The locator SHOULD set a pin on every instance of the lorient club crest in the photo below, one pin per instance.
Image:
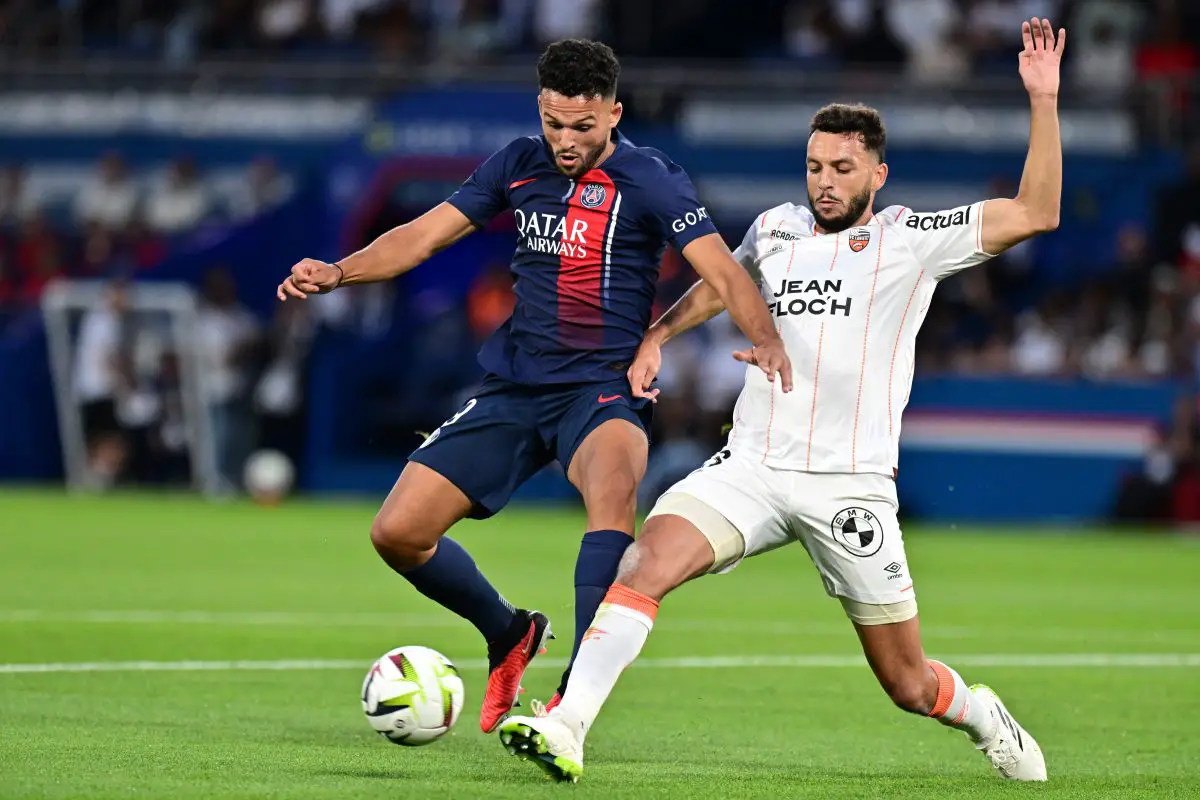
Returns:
(592, 195)
(859, 239)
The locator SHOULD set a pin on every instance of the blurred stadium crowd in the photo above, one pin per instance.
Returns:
(1114, 42)
(1134, 318)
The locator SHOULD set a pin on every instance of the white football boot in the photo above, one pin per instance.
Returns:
(1013, 752)
(549, 742)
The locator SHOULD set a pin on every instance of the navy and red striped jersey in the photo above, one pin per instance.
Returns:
(587, 256)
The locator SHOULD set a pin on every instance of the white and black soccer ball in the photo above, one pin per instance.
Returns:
(412, 695)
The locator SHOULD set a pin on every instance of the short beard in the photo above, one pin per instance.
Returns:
(857, 207)
(585, 164)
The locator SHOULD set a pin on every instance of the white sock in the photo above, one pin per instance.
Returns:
(616, 636)
(958, 707)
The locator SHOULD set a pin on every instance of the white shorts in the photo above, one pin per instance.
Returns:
(847, 523)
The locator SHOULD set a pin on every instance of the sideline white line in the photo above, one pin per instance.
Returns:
(1072, 660)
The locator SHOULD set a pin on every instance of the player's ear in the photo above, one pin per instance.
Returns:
(881, 175)
(616, 111)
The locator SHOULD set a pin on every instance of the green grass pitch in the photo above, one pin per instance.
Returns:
(1092, 639)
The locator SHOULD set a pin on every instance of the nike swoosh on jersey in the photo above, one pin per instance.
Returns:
(609, 398)
(515, 184)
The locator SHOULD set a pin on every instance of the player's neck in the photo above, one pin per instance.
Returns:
(863, 220)
(608, 151)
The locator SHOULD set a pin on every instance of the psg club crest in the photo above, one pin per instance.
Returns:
(859, 239)
(592, 195)
(858, 531)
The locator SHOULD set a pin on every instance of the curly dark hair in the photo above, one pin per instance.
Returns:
(579, 68)
(854, 119)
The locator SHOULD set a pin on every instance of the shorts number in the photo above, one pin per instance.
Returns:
(462, 412)
(718, 458)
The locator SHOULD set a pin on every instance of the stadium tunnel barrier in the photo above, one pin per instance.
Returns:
(1022, 449)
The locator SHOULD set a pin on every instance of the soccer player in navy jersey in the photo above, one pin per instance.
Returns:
(594, 213)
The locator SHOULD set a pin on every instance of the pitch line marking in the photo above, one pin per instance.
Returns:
(1048, 660)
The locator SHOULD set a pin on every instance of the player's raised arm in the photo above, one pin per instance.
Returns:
(393, 253)
(481, 197)
(1035, 209)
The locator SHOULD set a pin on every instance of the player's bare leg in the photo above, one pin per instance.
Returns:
(930, 688)
(606, 469)
(669, 552)
(408, 533)
(418, 511)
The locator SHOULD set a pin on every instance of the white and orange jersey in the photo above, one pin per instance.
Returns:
(848, 307)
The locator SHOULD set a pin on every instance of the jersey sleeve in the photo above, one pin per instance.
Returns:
(675, 209)
(746, 253)
(483, 195)
(945, 242)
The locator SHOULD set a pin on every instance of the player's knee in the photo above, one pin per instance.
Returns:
(615, 497)
(910, 693)
(401, 539)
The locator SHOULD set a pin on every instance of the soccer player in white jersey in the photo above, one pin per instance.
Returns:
(849, 289)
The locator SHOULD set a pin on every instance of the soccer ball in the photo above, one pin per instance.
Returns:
(268, 476)
(412, 695)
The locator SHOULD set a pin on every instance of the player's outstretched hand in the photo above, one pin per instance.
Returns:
(309, 277)
(1039, 61)
(772, 359)
(644, 369)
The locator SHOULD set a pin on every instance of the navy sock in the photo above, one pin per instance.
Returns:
(452, 579)
(595, 570)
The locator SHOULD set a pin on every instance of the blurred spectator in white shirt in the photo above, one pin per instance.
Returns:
(1103, 39)
(918, 24)
(341, 16)
(110, 197)
(226, 336)
(810, 30)
(179, 202)
(563, 19)
(98, 381)
(283, 21)
(264, 189)
(1040, 347)
(474, 32)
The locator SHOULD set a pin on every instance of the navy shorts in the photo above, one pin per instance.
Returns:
(509, 431)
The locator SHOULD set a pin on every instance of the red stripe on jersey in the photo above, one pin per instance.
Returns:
(896, 348)
(778, 329)
(816, 382)
(581, 261)
(862, 367)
